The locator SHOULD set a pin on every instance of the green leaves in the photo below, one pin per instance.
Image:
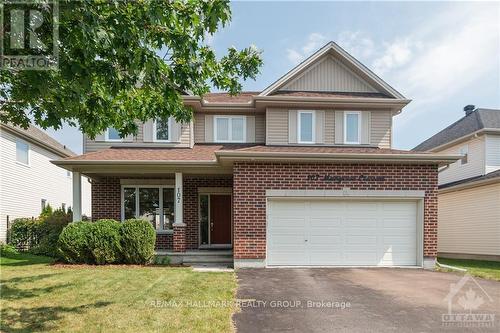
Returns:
(121, 61)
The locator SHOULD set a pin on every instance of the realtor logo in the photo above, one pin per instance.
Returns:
(29, 36)
(467, 296)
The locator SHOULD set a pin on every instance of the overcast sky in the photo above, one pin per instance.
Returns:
(442, 55)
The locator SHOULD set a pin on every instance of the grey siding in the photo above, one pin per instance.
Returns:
(381, 123)
(203, 127)
(138, 140)
(277, 126)
(376, 127)
(199, 128)
(329, 74)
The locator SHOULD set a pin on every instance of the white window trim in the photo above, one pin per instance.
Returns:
(29, 153)
(230, 128)
(346, 113)
(155, 139)
(106, 137)
(313, 124)
(160, 199)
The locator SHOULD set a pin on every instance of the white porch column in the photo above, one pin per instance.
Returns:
(178, 200)
(77, 196)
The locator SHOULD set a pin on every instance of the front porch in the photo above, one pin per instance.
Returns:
(191, 213)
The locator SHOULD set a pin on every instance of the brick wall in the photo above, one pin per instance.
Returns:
(164, 242)
(106, 198)
(252, 179)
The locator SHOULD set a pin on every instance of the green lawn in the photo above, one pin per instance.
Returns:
(39, 297)
(485, 269)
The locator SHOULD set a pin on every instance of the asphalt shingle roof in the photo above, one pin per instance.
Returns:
(477, 120)
(491, 175)
(41, 138)
(206, 152)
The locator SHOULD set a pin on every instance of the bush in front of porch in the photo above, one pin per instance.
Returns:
(107, 242)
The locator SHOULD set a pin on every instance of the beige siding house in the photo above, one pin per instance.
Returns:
(469, 189)
(253, 174)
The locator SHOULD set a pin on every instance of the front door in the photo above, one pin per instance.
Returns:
(215, 219)
(220, 219)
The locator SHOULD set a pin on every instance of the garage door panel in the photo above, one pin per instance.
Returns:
(325, 222)
(342, 232)
(360, 222)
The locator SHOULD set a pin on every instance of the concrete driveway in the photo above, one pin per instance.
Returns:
(362, 300)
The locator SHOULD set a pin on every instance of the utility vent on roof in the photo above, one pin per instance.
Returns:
(469, 109)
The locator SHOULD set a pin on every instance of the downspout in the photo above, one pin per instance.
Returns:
(450, 267)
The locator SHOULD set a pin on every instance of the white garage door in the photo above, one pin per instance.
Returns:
(341, 232)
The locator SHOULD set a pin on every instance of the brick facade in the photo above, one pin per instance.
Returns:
(106, 198)
(164, 242)
(106, 203)
(252, 179)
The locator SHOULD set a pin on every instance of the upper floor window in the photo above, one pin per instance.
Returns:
(162, 130)
(22, 152)
(229, 128)
(464, 151)
(305, 124)
(112, 134)
(352, 127)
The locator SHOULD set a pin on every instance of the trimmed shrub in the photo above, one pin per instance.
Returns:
(73, 243)
(137, 241)
(104, 242)
(24, 233)
(50, 227)
(6, 250)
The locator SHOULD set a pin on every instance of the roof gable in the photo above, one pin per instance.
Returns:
(329, 74)
(332, 69)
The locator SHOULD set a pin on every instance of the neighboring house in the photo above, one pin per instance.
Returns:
(301, 173)
(28, 181)
(469, 189)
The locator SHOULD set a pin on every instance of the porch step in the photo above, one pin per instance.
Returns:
(208, 259)
(224, 257)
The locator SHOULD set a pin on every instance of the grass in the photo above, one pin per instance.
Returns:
(484, 269)
(37, 296)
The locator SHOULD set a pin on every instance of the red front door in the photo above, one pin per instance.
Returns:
(220, 219)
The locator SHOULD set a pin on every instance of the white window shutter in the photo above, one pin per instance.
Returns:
(292, 126)
(148, 131)
(320, 126)
(176, 129)
(366, 119)
(250, 120)
(339, 127)
(209, 128)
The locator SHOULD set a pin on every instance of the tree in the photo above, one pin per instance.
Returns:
(121, 61)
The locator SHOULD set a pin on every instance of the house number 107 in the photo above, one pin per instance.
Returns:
(179, 195)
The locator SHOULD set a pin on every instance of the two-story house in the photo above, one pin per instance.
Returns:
(28, 179)
(301, 173)
(469, 189)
